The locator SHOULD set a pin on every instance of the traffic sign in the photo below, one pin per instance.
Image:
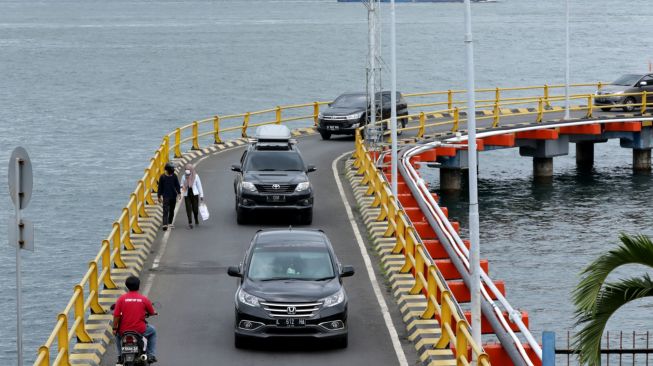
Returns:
(21, 236)
(23, 182)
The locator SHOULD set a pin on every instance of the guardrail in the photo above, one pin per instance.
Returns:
(86, 293)
(441, 304)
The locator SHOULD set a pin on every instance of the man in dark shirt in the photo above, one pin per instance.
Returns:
(167, 193)
(129, 316)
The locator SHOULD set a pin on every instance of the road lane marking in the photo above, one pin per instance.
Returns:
(394, 337)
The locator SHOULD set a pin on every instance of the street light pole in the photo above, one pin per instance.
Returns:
(474, 253)
(393, 99)
(567, 104)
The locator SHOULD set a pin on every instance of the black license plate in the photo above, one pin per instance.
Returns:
(276, 198)
(333, 128)
(291, 322)
(129, 349)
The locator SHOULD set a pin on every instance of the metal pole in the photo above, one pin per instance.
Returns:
(474, 253)
(567, 106)
(19, 281)
(393, 99)
(372, 45)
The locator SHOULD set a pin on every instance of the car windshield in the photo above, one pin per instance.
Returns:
(627, 80)
(273, 161)
(350, 101)
(304, 263)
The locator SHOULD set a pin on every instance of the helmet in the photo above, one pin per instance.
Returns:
(170, 167)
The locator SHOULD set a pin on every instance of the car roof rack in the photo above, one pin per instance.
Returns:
(273, 137)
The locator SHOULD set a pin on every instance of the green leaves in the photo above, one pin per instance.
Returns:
(596, 300)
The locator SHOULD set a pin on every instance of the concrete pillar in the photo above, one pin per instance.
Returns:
(543, 167)
(450, 179)
(585, 155)
(642, 160)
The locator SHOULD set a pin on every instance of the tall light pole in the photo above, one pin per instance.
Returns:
(567, 104)
(372, 22)
(474, 253)
(393, 99)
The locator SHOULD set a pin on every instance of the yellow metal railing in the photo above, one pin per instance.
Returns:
(441, 304)
(72, 321)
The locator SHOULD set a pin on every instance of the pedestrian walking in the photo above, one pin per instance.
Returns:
(167, 193)
(191, 187)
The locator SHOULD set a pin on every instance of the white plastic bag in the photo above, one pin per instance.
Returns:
(204, 212)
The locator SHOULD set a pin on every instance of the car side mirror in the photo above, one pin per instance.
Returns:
(310, 168)
(347, 271)
(643, 83)
(234, 271)
(236, 168)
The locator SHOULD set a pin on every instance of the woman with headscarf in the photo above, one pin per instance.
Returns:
(191, 188)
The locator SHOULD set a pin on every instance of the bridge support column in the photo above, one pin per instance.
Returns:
(642, 160)
(585, 155)
(542, 167)
(451, 179)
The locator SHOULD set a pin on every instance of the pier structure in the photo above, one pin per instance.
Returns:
(416, 251)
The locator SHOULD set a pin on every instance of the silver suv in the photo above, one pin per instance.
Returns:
(625, 92)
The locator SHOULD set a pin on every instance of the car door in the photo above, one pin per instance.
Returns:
(648, 88)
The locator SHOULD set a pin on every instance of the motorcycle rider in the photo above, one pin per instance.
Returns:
(129, 314)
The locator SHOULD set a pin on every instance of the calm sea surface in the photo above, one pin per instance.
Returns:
(89, 88)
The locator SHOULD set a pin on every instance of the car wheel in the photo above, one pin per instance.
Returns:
(306, 218)
(342, 342)
(629, 104)
(606, 109)
(325, 135)
(240, 341)
(241, 216)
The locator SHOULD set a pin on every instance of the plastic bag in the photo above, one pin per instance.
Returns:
(204, 212)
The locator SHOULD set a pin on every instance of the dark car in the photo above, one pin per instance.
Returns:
(617, 92)
(272, 175)
(351, 110)
(291, 286)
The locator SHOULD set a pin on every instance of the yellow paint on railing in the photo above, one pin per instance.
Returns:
(196, 142)
(216, 130)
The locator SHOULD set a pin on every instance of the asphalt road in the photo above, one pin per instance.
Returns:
(196, 321)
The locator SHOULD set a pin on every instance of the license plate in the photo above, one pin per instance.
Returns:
(276, 198)
(291, 322)
(129, 349)
(333, 128)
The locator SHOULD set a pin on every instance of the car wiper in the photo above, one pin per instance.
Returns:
(266, 170)
(278, 279)
(324, 278)
(292, 170)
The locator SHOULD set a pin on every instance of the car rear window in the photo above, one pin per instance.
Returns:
(273, 161)
(290, 263)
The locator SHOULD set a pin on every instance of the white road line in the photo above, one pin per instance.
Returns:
(396, 344)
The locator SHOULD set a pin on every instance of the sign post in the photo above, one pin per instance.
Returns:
(21, 231)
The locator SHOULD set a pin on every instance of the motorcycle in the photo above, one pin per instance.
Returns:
(133, 347)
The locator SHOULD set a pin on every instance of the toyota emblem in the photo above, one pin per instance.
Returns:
(276, 186)
(291, 310)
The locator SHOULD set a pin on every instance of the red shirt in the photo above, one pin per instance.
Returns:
(132, 308)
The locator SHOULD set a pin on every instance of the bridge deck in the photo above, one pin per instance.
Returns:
(197, 297)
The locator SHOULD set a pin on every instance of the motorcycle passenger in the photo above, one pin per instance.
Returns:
(129, 315)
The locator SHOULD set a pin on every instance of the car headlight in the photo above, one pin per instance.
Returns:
(618, 92)
(355, 116)
(248, 186)
(320, 115)
(334, 299)
(247, 299)
(302, 186)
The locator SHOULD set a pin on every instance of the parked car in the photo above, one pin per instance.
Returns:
(272, 175)
(350, 111)
(290, 286)
(617, 92)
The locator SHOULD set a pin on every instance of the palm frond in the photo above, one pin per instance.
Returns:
(610, 298)
(633, 250)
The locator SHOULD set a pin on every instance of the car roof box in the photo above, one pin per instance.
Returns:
(272, 133)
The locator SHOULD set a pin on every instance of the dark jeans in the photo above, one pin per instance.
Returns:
(169, 210)
(192, 206)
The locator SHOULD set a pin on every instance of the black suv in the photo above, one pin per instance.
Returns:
(350, 111)
(272, 176)
(290, 286)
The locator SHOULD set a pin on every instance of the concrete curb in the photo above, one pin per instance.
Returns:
(424, 333)
(99, 325)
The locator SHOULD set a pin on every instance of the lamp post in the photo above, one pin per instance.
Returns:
(567, 104)
(393, 100)
(474, 253)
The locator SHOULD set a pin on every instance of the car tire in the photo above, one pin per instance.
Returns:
(606, 109)
(342, 342)
(240, 341)
(325, 135)
(307, 218)
(629, 104)
(241, 217)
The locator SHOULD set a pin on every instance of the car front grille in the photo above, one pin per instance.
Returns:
(276, 188)
(291, 310)
(334, 118)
